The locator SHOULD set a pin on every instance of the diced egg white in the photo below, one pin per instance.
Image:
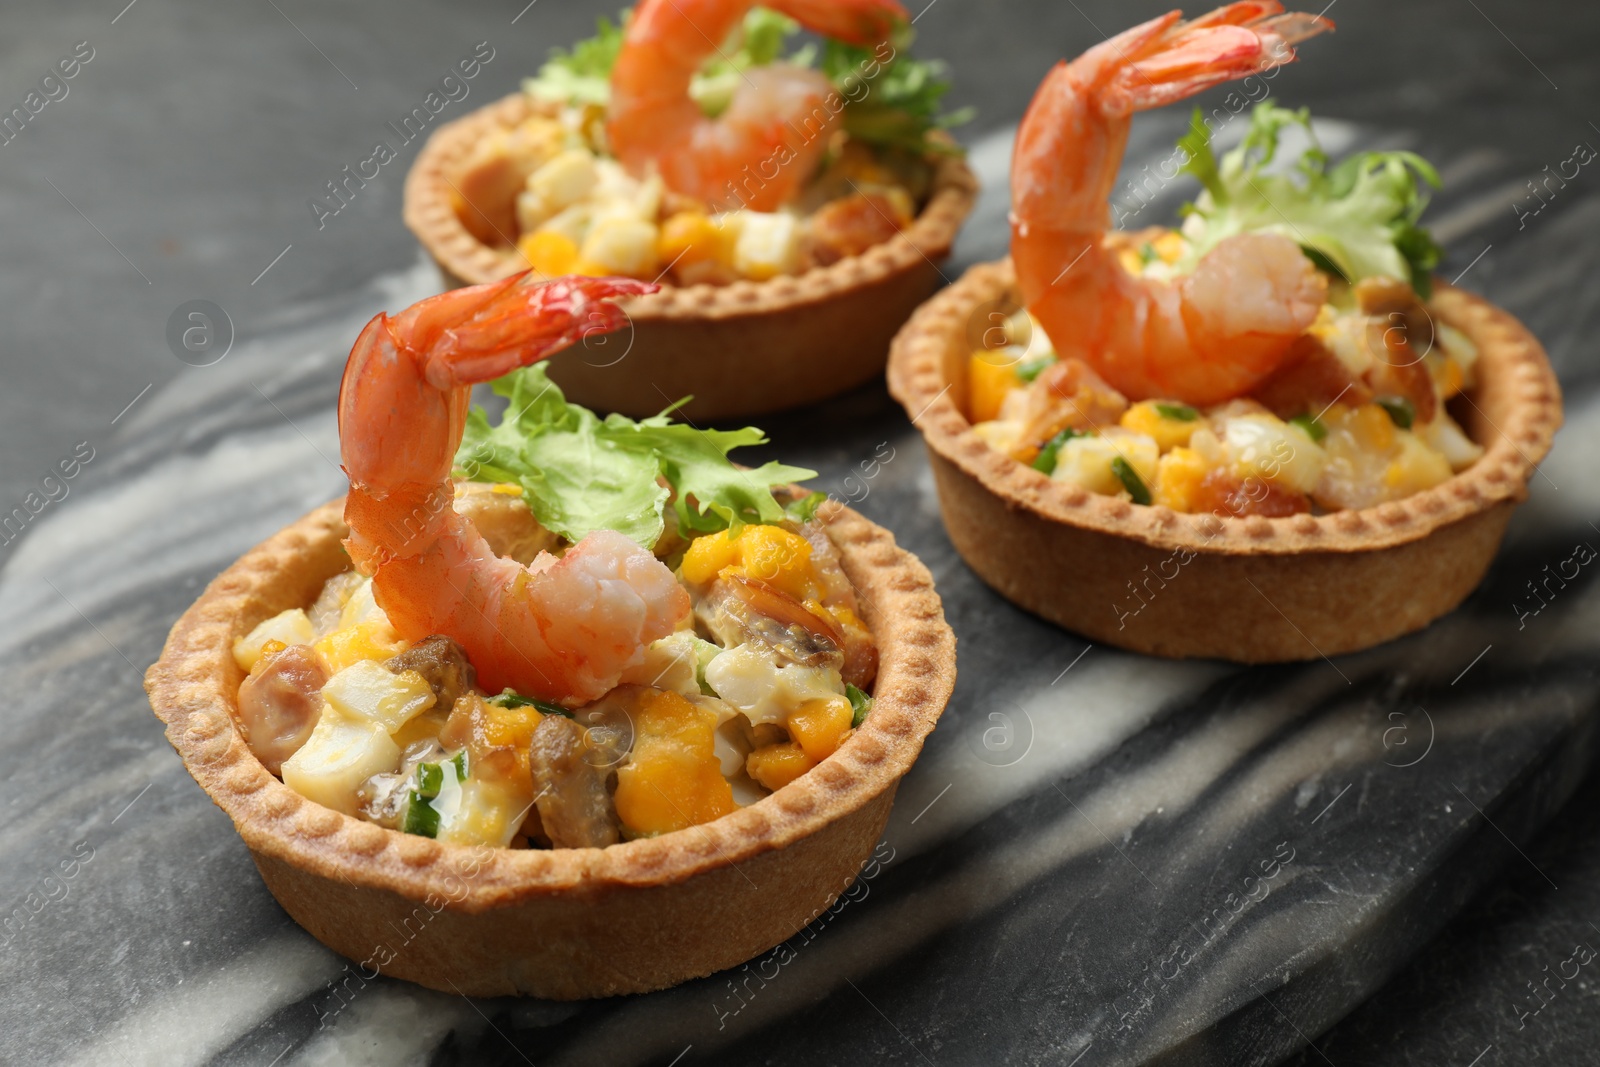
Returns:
(291, 627)
(1086, 461)
(370, 692)
(478, 811)
(337, 758)
(750, 679)
(670, 663)
(1443, 435)
(1264, 446)
(768, 244)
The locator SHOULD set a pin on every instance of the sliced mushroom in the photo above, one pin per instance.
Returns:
(575, 808)
(280, 702)
(737, 610)
(860, 650)
(443, 663)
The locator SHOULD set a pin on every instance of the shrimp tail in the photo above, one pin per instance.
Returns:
(564, 629)
(1205, 337)
(403, 398)
(857, 22)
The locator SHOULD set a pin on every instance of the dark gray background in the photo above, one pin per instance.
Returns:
(189, 146)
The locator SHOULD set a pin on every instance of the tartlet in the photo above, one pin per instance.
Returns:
(741, 349)
(1249, 589)
(562, 923)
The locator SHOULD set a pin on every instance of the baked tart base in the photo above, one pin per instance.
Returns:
(740, 350)
(1251, 590)
(558, 923)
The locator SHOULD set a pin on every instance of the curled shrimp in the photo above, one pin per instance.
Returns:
(558, 629)
(1205, 337)
(766, 145)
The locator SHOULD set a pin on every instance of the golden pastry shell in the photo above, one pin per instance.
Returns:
(559, 923)
(741, 350)
(1249, 589)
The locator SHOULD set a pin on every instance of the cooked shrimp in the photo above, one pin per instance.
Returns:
(1204, 337)
(763, 148)
(558, 629)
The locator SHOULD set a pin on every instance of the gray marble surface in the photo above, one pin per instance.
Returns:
(1069, 858)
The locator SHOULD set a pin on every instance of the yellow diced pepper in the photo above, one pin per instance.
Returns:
(590, 268)
(691, 237)
(1373, 427)
(673, 778)
(775, 766)
(990, 376)
(767, 554)
(1170, 246)
(777, 557)
(819, 726)
(511, 727)
(1145, 417)
(1178, 477)
(707, 556)
(551, 254)
(1448, 378)
(367, 640)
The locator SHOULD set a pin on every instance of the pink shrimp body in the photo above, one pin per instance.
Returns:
(1205, 337)
(557, 629)
(763, 148)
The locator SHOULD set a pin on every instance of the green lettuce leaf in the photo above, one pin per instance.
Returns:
(582, 74)
(901, 105)
(1358, 219)
(580, 473)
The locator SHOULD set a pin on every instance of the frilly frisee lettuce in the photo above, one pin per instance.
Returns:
(895, 103)
(580, 473)
(1357, 219)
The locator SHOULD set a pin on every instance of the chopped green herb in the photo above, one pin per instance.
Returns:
(1130, 480)
(1311, 425)
(580, 473)
(460, 762)
(430, 779)
(1357, 219)
(1029, 369)
(421, 818)
(704, 653)
(860, 705)
(1401, 413)
(1180, 412)
(508, 699)
(804, 509)
(1147, 254)
(1045, 461)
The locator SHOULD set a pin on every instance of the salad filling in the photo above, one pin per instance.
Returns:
(1355, 416)
(765, 679)
(554, 186)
